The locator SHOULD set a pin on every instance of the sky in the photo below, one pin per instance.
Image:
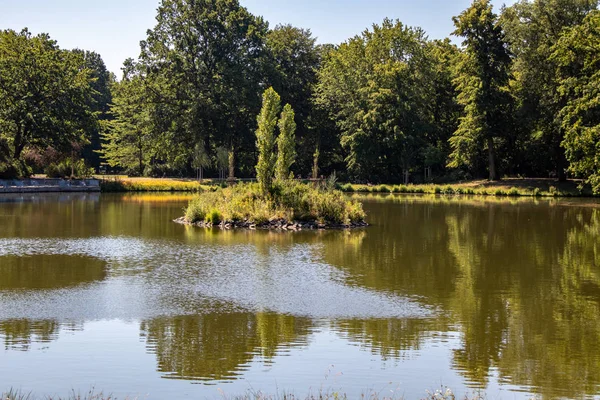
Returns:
(114, 28)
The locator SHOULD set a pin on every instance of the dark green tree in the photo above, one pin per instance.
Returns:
(482, 77)
(203, 65)
(286, 144)
(532, 28)
(127, 137)
(577, 54)
(377, 87)
(294, 60)
(101, 83)
(45, 95)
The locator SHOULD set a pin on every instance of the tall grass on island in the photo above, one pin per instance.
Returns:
(288, 204)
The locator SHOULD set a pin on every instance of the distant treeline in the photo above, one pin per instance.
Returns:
(520, 96)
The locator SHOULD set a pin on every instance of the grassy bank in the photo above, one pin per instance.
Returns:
(287, 203)
(507, 187)
(126, 184)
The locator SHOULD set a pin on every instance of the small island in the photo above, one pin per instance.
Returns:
(289, 206)
(276, 201)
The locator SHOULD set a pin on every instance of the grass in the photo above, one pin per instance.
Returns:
(288, 201)
(443, 393)
(13, 394)
(512, 187)
(125, 184)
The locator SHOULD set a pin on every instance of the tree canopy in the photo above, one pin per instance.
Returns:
(517, 97)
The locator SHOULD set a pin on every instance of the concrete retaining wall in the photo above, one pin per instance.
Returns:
(49, 185)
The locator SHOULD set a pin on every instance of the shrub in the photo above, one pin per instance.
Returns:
(13, 169)
(214, 217)
(500, 192)
(69, 169)
(348, 188)
(514, 192)
(438, 190)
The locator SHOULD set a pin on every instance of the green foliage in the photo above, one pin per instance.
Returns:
(265, 139)
(482, 79)
(380, 89)
(127, 138)
(578, 57)
(533, 28)
(45, 95)
(286, 144)
(288, 200)
(69, 169)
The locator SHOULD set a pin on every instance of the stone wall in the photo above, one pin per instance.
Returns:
(49, 185)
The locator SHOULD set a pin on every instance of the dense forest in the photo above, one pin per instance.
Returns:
(520, 96)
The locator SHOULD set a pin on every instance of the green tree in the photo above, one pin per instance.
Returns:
(286, 144)
(45, 94)
(532, 28)
(482, 79)
(265, 139)
(102, 81)
(377, 88)
(578, 57)
(126, 138)
(203, 64)
(293, 62)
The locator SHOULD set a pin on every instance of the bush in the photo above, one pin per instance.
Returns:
(14, 169)
(348, 188)
(69, 169)
(449, 190)
(514, 192)
(214, 217)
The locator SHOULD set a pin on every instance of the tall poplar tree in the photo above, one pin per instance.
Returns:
(286, 143)
(265, 139)
(482, 79)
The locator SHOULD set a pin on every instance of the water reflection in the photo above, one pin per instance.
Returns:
(49, 271)
(514, 282)
(521, 282)
(23, 334)
(219, 346)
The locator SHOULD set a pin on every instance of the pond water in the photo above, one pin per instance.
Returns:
(104, 291)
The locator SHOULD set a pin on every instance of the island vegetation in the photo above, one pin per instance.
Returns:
(517, 98)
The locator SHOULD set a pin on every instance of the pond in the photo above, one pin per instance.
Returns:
(104, 291)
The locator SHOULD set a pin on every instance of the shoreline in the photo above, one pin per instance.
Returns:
(276, 224)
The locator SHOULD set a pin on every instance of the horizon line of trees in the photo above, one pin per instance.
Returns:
(519, 97)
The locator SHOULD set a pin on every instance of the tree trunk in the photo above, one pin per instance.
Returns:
(19, 144)
(492, 160)
(560, 165)
(231, 164)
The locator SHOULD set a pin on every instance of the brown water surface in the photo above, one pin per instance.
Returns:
(105, 291)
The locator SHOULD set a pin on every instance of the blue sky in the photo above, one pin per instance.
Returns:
(114, 28)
